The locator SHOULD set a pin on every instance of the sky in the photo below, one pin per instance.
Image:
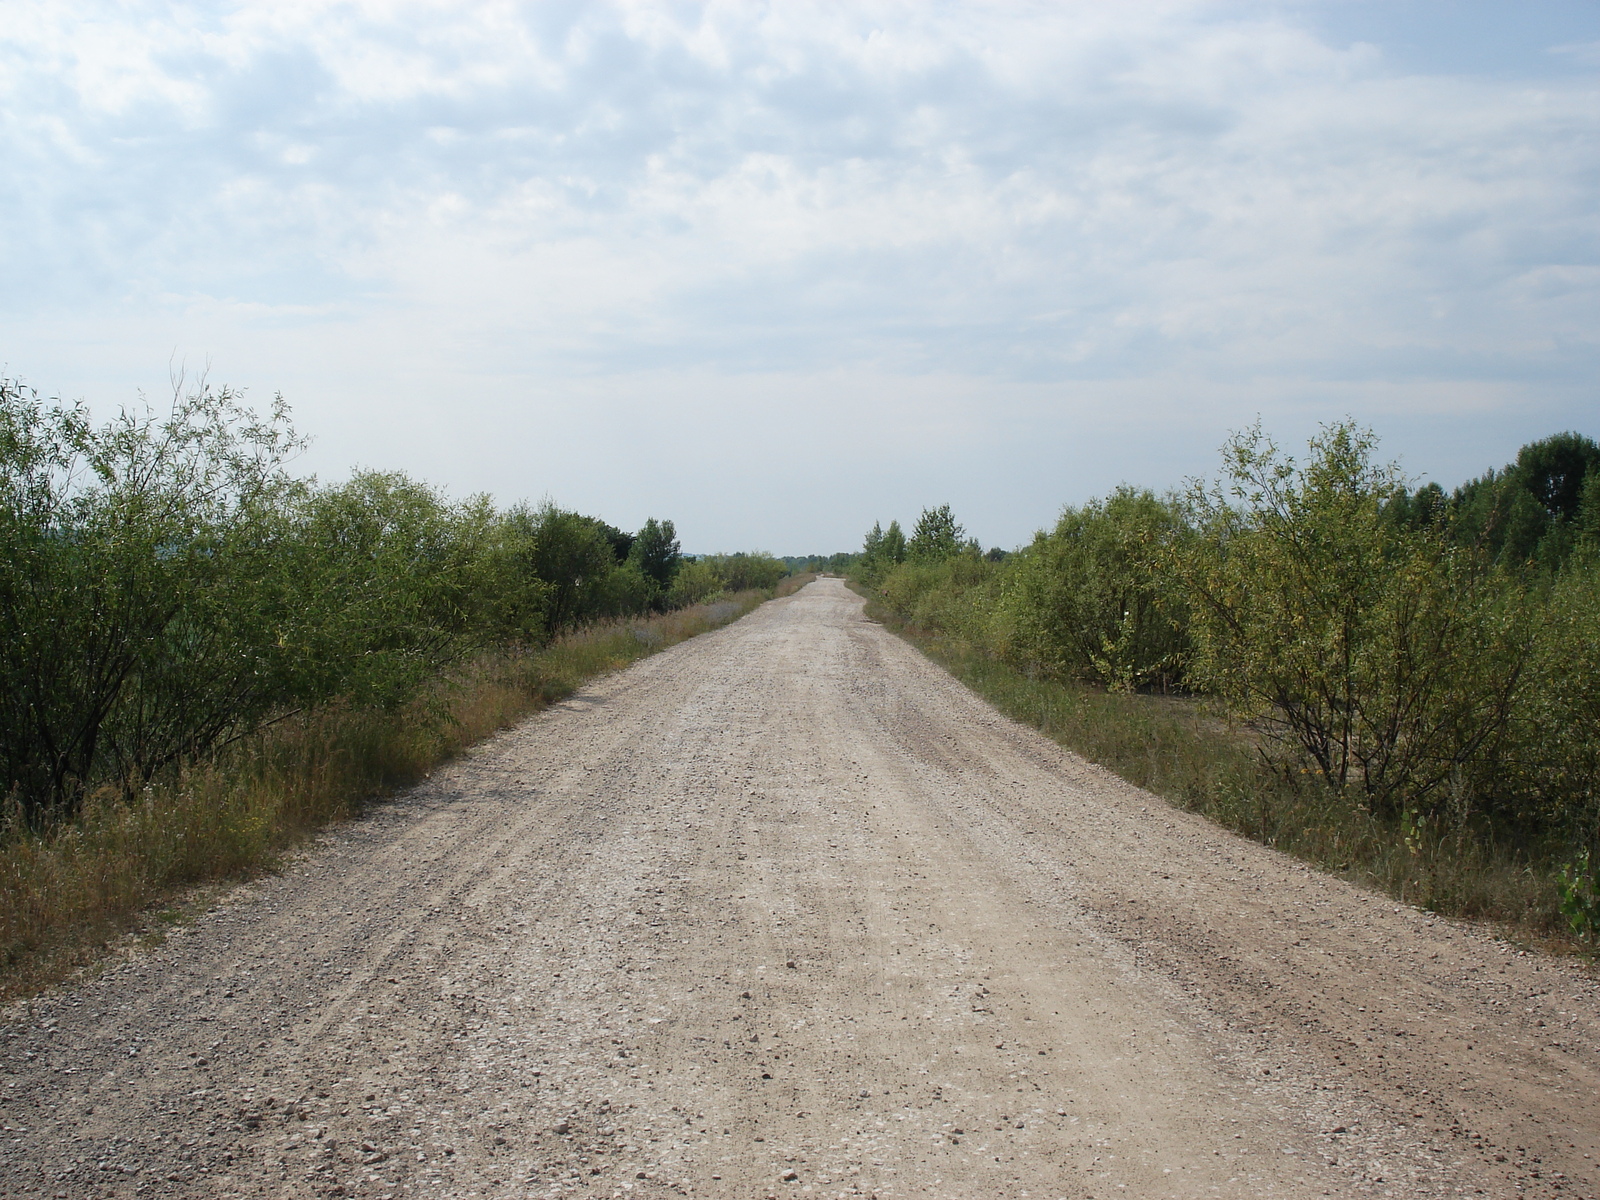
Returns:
(776, 271)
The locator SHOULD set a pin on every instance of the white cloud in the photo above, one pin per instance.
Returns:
(1083, 205)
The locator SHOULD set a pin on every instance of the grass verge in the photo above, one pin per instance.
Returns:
(1172, 748)
(65, 896)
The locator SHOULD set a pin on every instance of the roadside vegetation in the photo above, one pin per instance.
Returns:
(841, 563)
(204, 657)
(1396, 683)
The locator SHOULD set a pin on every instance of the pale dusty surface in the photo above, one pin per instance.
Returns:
(786, 911)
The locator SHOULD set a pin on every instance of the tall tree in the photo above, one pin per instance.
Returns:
(937, 535)
(656, 552)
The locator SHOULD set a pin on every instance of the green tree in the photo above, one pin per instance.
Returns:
(656, 553)
(894, 544)
(140, 578)
(1091, 599)
(937, 535)
(1554, 469)
(573, 555)
(1384, 655)
(882, 551)
(393, 584)
(1532, 512)
(872, 547)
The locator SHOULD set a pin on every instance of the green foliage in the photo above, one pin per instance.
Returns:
(1556, 751)
(955, 595)
(1382, 653)
(1408, 674)
(65, 891)
(514, 599)
(1588, 523)
(744, 572)
(1091, 601)
(893, 550)
(656, 554)
(1555, 470)
(881, 552)
(167, 587)
(574, 556)
(872, 547)
(1173, 747)
(141, 580)
(624, 591)
(1580, 898)
(841, 562)
(937, 535)
(697, 580)
(1535, 511)
(701, 578)
(391, 577)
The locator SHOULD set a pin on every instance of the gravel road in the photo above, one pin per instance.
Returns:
(786, 911)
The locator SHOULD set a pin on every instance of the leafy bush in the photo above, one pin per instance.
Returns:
(937, 535)
(700, 578)
(1387, 656)
(391, 587)
(1556, 751)
(142, 581)
(1091, 601)
(696, 580)
(955, 595)
(166, 586)
(624, 591)
(1413, 670)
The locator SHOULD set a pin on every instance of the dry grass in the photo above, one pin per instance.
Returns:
(66, 895)
(793, 583)
(1173, 748)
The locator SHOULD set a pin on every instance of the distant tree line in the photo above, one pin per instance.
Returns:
(1431, 655)
(167, 586)
(840, 563)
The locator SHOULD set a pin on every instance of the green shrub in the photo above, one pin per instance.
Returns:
(1409, 676)
(955, 595)
(166, 587)
(1556, 754)
(936, 536)
(695, 581)
(142, 580)
(1090, 600)
(1388, 657)
(655, 555)
(705, 576)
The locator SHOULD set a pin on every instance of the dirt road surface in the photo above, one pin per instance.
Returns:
(785, 911)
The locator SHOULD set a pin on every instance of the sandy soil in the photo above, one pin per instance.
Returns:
(786, 911)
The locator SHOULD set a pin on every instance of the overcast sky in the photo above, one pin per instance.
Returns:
(776, 271)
